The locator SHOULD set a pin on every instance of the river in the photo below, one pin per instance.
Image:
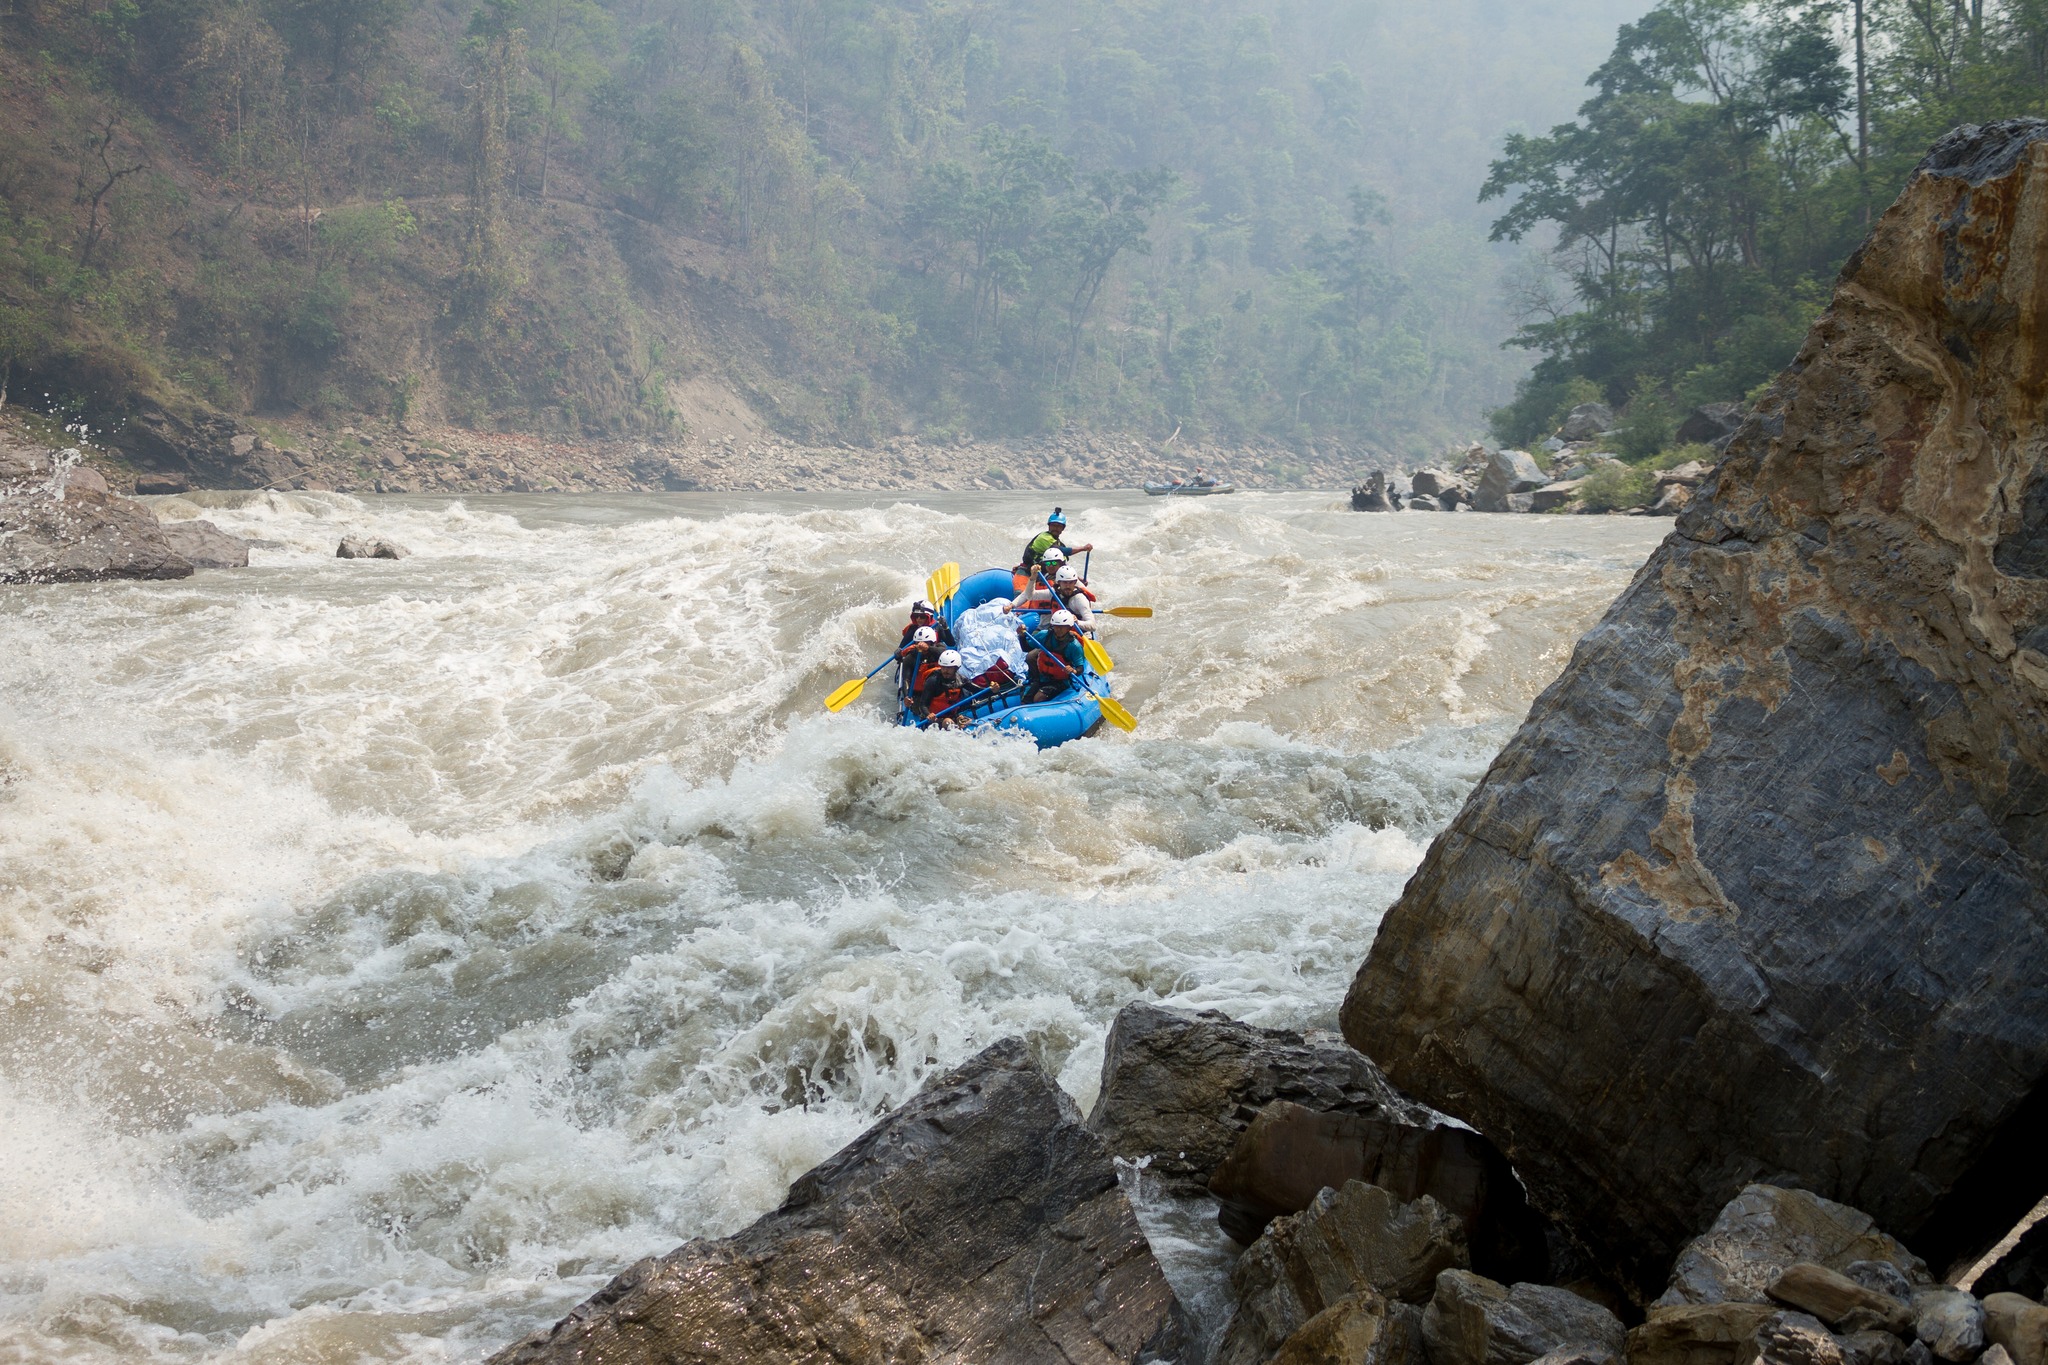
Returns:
(391, 951)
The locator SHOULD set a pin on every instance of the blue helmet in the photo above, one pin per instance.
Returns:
(1058, 518)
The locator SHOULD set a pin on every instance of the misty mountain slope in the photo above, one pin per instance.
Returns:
(1246, 219)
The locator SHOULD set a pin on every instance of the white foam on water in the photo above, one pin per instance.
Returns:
(392, 951)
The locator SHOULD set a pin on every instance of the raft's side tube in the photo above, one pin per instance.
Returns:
(1070, 715)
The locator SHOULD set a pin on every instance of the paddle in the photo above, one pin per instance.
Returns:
(1140, 613)
(964, 701)
(1095, 654)
(1112, 710)
(942, 584)
(846, 694)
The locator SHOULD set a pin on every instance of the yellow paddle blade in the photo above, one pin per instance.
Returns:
(1113, 712)
(943, 583)
(1098, 657)
(1142, 613)
(843, 696)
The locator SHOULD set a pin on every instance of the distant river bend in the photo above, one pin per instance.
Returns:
(389, 952)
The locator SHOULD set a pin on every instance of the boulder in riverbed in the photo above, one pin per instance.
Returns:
(1950, 1322)
(1363, 1329)
(60, 524)
(1761, 884)
(1357, 1240)
(1433, 482)
(1507, 473)
(206, 546)
(1289, 1154)
(1766, 1230)
(369, 547)
(980, 1221)
(1178, 1087)
(2019, 1325)
(1476, 1321)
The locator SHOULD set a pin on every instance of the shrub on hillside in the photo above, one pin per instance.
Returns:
(1611, 488)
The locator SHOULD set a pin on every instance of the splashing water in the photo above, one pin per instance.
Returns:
(390, 952)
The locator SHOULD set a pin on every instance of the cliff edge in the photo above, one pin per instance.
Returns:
(1758, 891)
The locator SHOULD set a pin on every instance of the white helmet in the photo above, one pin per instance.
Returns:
(1053, 556)
(1063, 618)
(920, 605)
(1066, 575)
(923, 635)
(949, 658)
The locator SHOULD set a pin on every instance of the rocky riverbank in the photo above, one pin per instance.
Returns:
(412, 458)
(1734, 964)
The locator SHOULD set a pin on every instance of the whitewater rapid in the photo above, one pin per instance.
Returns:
(392, 951)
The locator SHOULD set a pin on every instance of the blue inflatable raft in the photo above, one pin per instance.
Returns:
(1071, 715)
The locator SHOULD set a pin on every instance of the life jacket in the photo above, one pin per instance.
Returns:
(1053, 662)
(935, 691)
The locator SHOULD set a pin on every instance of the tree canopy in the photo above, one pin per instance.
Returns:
(1694, 213)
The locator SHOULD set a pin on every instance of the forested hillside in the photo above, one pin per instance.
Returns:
(1243, 219)
(1730, 158)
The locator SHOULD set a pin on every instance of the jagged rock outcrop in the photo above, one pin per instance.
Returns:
(1475, 1321)
(1357, 1241)
(1510, 475)
(1290, 1154)
(980, 1221)
(60, 524)
(1761, 885)
(1179, 1087)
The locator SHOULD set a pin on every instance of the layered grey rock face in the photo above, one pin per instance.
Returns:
(1761, 885)
(979, 1222)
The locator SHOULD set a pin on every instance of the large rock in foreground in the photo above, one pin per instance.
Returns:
(1758, 888)
(1180, 1087)
(978, 1222)
(61, 525)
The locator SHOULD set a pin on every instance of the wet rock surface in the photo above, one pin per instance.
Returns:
(206, 546)
(1348, 1241)
(369, 547)
(1362, 1329)
(1289, 1154)
(981, 1221)
(60, 524)
(1476, 1321)
(1758, 888)
(1179, 1087)
(1508, 474)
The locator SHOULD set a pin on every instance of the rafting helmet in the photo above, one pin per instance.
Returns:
(920, 605)
(1066, 575)
(1063, 618)
(923, 635)
(1058, 518)
(1054, 557)
(949, 658)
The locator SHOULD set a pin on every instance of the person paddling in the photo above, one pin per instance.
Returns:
(1053, 667)
(1051, 538)
(923, 614)
(939, 685)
